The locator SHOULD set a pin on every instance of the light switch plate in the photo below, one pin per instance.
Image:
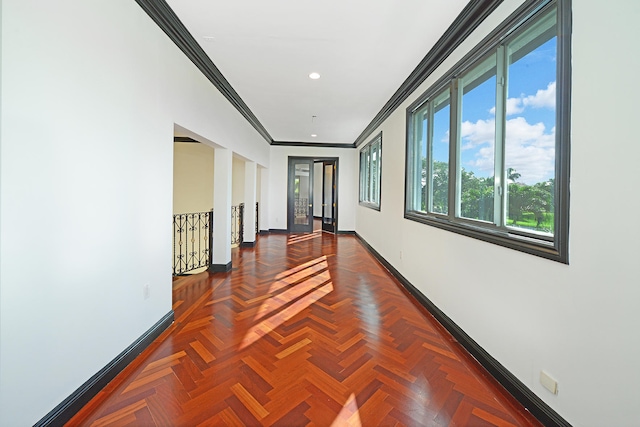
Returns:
(548, 382)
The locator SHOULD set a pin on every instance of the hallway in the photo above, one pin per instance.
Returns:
(306, 329)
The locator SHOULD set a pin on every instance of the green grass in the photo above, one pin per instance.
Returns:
(528, 220)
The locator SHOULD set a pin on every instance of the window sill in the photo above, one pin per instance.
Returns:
(540, 247)
(370, 206)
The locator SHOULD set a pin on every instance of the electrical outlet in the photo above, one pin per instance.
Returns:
(146, 290)
(548, 382)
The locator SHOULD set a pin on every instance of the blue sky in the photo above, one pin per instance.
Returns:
(530, 120)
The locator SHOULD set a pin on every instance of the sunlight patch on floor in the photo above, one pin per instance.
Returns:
(349, 416)
(297, 238)
(298, 288)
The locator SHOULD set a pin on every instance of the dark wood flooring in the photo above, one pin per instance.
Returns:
(305, 330)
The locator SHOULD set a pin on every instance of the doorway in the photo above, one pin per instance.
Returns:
(300, 194)
(329, 205)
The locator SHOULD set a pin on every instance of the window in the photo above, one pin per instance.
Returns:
(432, 136)
(488, 144)
(370, 167)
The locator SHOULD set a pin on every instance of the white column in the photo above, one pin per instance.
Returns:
(222, 173)
(264, 199)
(249, 229)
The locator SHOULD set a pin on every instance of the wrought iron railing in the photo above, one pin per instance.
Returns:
(237, 224)
(257, 216)
(192, 237)
(193, 234)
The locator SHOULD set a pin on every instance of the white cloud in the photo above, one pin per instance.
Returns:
(514, 106)
(518, 129)
(530, 149)
(478, 133)
(445, 138)
(484, 162)
(544, 98)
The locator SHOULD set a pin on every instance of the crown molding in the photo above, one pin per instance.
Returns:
(162, 14)
(313, 144)
(467, 21)
(471, 16)
(184, 139)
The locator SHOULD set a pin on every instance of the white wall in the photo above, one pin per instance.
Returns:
(264, 198)
(578, 322)
(347, 183)
(192, 177)
(90, 95)
(237, 185)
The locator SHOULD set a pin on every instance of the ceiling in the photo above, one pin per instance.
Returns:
(362, 49)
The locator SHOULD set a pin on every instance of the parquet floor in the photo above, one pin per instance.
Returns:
(305, 330)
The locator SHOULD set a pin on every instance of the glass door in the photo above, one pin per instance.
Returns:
(300, 195)
(329, 208)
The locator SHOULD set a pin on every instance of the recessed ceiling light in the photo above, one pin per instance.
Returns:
(313, 135)
(314, 76)
(209, 38)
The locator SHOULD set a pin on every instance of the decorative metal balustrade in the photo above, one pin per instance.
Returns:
(257, 216)
(237, 224)
(301, 207)
(192, 237)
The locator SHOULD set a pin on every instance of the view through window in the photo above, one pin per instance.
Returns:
(484, 146)
(370, 171)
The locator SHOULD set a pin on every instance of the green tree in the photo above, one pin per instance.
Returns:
(512, 175)
(476, 198)
(532, 200)
(541, 202)
(517, 201)
(525, 203)
(440, 180)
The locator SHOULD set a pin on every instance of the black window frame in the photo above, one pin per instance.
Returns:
(551, 247)
(367, 200)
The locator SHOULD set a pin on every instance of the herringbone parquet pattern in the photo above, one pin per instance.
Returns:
(306, 330)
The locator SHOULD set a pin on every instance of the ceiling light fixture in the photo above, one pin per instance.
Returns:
(313, 135)
(314, 76)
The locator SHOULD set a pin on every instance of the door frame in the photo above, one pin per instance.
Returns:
(330, 228)
(290, 197)
(292, 227)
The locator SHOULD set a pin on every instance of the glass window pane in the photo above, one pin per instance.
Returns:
(370, 169)
(327, 211)
(367, 168)
(439, 197)
(302, 213)
(530, 127)
(363, 167)
(421, 122)
(477, 141)
(375, 157)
